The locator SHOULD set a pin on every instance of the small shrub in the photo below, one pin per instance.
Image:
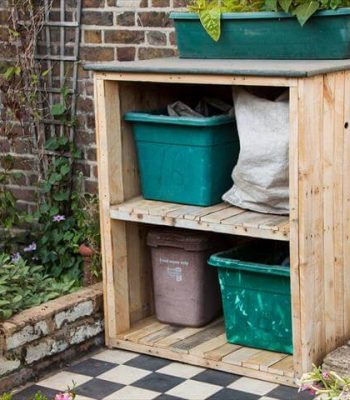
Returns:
(326, 385)
(23, 285)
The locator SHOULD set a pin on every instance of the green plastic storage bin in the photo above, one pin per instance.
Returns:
(256, 297)
(185, 160)
(267, 35)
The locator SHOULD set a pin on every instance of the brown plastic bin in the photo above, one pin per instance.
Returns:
(186, 288)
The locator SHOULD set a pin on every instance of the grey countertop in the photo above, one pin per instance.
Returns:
(276, 68)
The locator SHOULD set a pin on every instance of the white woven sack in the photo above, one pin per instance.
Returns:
(261, 175)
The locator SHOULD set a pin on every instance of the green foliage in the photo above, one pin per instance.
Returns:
(57, 234)
(6, 396)
(86, 212)
(327, 385)
(68, 395)
(210, 11)
(9, 215)
(61, 221)
(23, 285)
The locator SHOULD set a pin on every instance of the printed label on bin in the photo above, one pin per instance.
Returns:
(175, 273)
(174, 267)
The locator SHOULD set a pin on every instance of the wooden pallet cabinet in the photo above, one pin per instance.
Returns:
(318, 227)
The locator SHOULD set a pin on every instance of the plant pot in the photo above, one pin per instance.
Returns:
(267, 35)
(87, 253)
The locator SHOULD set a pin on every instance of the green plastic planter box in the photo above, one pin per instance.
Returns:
(185, 160)
(267, 35)
(256, 297)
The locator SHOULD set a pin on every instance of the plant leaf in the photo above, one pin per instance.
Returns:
(271, 5)
(305, 11)
(285, 4)
(58, 109)
(210, 20)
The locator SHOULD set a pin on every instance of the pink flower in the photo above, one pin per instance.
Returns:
(63, 396)
(58, 218)
(325, 375)
(31, 247)
(15, 257)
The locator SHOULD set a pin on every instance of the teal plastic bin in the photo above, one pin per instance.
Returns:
(256, 297)
(185, 160)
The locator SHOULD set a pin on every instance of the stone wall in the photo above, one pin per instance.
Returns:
(112, 30)
(49, 335)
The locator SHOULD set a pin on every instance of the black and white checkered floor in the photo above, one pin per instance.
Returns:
(121, 375)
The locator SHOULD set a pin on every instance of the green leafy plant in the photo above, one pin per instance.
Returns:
(68, 395)
(24, 285)
(326, 384)
(9, 215)
(210, 11)
(85, 209)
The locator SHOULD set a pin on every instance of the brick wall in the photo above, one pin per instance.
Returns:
(44, 336)
(119, 30)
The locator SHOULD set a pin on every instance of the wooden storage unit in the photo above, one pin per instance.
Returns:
(318, 227)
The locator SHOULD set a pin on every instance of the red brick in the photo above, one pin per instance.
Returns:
(180, 3)
(146, 53)
(97, 53)
(91, 186)
(125, 37)
(92, 37)
(24, 164)
(83, 168)
(92, 3)
(4, 146)
(24, 194)
(85, 105)
(4, 16)
(126, 53)
(154, 19)
(160, 3)
(4, 34)
(91, 154)
(97, 18)
(126, 19)
(172, 38)
(156, 38)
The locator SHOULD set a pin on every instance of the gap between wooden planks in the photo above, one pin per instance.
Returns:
(207, 347)
(220, 218)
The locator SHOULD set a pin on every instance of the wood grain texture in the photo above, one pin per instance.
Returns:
(205, 346)
(219, 218)
(346, 205)
(110, 190)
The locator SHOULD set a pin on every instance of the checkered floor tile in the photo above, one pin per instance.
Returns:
(121, 375)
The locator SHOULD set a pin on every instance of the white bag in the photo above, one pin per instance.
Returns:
(261, 181)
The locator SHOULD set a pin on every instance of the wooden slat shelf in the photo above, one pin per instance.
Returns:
(206, 346)
(220, 218)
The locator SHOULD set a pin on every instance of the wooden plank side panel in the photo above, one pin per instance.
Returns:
(294, 225)
(328, 177)
(346, 205)
(339, 335)
(312, 326)
(110, 189)
(333, 204)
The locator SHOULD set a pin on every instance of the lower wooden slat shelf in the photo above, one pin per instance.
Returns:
(207, 347)
(220, 218)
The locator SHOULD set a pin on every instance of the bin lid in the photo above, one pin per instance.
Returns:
(182, 239)
(229, 259)
(156, 117)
